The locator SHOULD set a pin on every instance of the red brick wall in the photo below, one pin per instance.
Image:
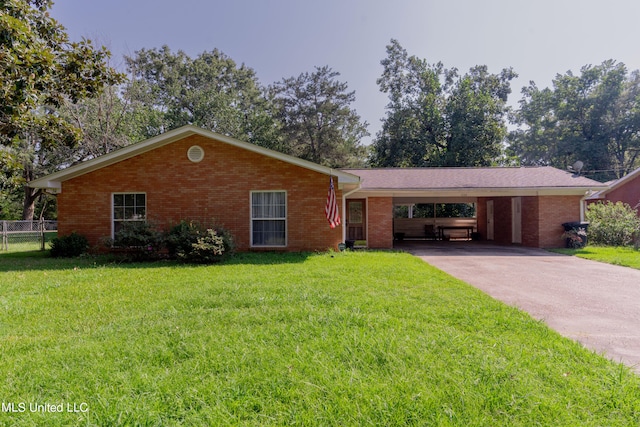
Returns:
(542, 219)
(216, 189)
(555, 210)
(628, 193)
(530, 225)
(380, 222)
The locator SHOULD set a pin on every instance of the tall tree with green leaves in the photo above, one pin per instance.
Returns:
(40, 70)
(317, 121)
(437, 117)
(11, 186)
(210, 91)
(593, 117)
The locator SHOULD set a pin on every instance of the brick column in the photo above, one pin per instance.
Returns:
(380, 222)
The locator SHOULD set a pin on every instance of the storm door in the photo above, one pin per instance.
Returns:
(356, 219)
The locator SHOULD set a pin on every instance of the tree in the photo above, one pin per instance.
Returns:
(108, 122)
(476, 111)
(593, 117)
(436, 117)
(317, 121)
(41, 70)
(11, 192)
(210, 91)
(103, 121)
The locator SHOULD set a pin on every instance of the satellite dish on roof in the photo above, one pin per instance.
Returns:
(577, 166)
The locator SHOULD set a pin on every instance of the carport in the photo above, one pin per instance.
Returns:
(422, 218)
(523, 206)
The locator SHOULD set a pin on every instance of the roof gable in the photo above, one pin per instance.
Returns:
(631, 176)
(54, 180)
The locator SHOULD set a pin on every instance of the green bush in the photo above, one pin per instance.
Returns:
(180, 238)
(612, 224)
(208, 249)
(139, 239)
(69, 246)
(193, 242)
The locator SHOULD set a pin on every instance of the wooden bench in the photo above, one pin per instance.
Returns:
(468, 228)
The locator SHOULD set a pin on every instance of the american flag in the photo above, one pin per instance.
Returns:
(331, 209)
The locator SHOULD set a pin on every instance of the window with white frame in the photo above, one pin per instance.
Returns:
(128, 207)
(268, 218)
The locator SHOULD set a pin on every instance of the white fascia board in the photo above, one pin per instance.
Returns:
(54, 186)
(474, 192)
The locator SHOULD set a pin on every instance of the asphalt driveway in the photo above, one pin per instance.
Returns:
(593, 303)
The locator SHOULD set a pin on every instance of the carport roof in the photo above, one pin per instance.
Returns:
(542, 177)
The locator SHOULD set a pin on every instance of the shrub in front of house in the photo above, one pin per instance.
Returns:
(612, 224)
(208, 249)
(190, 241)
(138, 240)
(180, 237)
(72, 245)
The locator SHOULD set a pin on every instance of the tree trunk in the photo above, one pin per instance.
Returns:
(29, 205)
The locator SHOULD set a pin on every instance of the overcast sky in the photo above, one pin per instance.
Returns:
(284, 38)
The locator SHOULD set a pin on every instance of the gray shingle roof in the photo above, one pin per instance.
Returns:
(470, 178)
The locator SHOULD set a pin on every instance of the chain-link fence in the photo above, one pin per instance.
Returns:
(26, 235)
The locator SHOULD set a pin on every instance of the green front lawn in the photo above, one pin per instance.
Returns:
(353, 338)
(624, 256)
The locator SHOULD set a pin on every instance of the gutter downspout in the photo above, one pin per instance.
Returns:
(583, 203)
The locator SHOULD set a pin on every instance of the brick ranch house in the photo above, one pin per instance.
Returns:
(272, 201)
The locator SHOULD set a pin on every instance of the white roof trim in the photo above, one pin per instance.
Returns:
(473, 192)
(54, 180)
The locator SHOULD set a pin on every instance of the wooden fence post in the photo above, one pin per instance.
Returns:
(41, 234)
(5, 243)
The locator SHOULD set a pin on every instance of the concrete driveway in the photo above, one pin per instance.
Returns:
(594, 303)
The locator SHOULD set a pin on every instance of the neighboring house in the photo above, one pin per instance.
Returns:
(272, 201)
(625, 189)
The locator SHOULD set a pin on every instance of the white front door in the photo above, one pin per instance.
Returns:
(516, 220)
(489, 219)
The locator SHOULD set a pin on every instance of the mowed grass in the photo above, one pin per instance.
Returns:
(336, 339)
(625, 256)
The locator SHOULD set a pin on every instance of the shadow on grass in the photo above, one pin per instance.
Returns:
(569, 251)
(41, 260)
